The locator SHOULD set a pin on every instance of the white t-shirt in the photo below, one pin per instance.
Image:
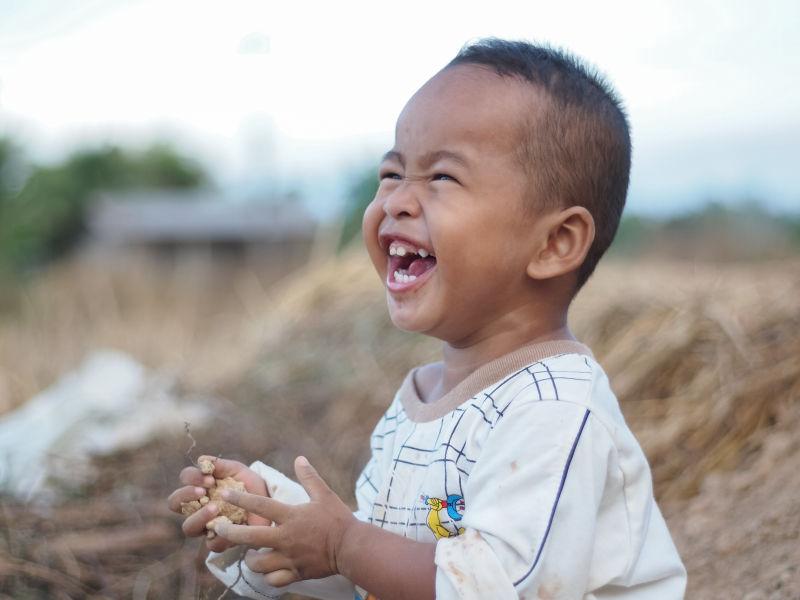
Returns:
(526, 477)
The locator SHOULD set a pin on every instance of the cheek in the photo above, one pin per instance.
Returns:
(373, 215)
(371, 219)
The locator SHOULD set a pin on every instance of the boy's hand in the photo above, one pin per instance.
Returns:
(305, 538)
(196, 485)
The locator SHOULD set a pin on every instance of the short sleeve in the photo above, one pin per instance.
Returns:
(531, 506)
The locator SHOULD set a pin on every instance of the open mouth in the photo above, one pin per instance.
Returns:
(407, 263)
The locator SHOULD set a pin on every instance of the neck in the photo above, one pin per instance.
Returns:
(504, 335)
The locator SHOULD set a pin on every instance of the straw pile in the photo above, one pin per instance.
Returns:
(702, 372)
(703, 359)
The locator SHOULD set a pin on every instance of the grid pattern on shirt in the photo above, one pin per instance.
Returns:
(436, 458)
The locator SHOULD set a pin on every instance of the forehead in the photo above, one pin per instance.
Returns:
(470, 107)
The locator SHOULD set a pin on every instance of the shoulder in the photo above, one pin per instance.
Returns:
(580, 382)
(573, 379)
(561, 378)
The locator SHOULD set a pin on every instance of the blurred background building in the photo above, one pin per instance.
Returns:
(199, 225)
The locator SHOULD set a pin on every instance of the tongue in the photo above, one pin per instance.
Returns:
(420, 265)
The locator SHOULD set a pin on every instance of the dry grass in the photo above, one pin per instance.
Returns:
(198, 322)
(703, 358)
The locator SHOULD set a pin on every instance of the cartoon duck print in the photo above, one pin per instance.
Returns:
(454, 504)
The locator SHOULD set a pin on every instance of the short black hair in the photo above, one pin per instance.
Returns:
(578, 150)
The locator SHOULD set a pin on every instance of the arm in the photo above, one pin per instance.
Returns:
(390, 566)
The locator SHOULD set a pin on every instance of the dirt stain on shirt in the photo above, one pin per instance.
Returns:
(549, 590)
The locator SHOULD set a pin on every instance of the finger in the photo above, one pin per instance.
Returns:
(249, 535)
(260, 505)
(193, 476)
(310, 479)
(223, 467)
(266, 561)
(184, 494)
(195, 524)
(218, 544)
(254, 519)
(281, 578)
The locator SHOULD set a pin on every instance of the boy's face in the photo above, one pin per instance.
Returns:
(452, 188)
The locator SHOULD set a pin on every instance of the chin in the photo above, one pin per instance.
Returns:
(407, 320)
(406, 324)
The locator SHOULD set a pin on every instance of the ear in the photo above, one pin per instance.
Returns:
(566, 238)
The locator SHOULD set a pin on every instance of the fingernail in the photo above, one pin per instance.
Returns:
(208, 480)
(303, 461)
(212, 508)
(226, 494)
(200, 491)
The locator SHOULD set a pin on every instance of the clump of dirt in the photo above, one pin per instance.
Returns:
(228, 513)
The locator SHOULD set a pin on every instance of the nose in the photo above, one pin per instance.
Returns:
(402, 201)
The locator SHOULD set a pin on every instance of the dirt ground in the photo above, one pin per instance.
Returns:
(740, 536)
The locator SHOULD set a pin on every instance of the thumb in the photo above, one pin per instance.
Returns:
(309, 478)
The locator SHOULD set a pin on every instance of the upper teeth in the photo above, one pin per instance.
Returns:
(396, 249)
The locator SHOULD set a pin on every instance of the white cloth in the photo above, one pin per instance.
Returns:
(534, 487)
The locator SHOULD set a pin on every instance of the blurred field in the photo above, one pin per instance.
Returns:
(704, 359)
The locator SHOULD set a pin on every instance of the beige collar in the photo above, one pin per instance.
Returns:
(484, 376)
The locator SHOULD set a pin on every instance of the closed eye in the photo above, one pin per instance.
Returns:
(444, 177)
(389, 175)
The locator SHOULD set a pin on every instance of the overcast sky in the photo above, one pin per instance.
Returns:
(309, 91)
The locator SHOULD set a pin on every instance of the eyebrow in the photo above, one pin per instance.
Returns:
(429, 158)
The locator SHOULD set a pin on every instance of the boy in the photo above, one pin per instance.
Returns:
(506, 470)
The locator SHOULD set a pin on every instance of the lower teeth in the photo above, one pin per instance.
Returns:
(403, 277)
